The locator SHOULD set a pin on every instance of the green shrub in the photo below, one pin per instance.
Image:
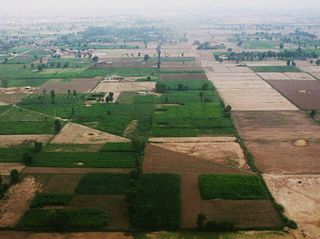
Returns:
(103, 183)
(27, 159)
(224, 186)
(63, 219)
(38, 146)
(48, 199)
(14, 176)
(157, 203)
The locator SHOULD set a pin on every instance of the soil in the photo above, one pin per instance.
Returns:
(60, 86)
(11, 98)
(118, 87)
(6, 168)
(273, 76)
(23, 140)
(299, 194)
(73, 133)
(16, 201)
(304, 94)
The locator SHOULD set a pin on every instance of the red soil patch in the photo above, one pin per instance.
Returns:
(304, 94)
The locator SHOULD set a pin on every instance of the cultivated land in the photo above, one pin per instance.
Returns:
(214, 133)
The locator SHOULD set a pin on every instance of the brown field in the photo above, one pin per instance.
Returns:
(11, 98)
(118, 87)
(114, 205)
(299, 76)
(158, 159)
(79, 235)
(271, 139)
(6, 168)
(23, 140)
(247, 91)
(56, 183)
(78, 134)
(184, 76)
(299, 194)
(245, 213)
(16, 201)
(61, 86)
(304, 94)
(273, 76)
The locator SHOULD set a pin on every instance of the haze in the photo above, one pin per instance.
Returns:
(34, 7)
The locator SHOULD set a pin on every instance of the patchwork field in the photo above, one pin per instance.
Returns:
(62, 86)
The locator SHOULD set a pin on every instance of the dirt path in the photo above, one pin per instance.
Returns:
(16, 201)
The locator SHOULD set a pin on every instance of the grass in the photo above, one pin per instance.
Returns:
(88, 159)
(93, 72)
(63, 219)
(235, 187)
(190, 84)
(157, 205)
(48, 199)
(127, 97)
(280, 69)
(106, 183)
(12, 154)
(255, 44)
(117, 147)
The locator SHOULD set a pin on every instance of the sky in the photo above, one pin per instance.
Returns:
(27, 7)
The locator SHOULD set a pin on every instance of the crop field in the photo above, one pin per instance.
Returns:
(253, 44)
(62, 86)
(280, 69)
(214, 186)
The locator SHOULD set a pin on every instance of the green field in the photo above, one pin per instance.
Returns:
(12, 154)
(48, 199)
(157, 204)
(107, 183)
(63, 219)
(280, 69)
(235, 187)
(254, 44)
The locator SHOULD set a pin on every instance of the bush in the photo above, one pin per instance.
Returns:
(57, 126)
(63, 219)
(224, 186)
(220, 226)
(27, 159)
(14, 176)
(38, 146)
(157, 202)
(48, 199)
(201, 220)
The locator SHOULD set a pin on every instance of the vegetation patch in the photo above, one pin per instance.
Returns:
(236, 187)
(49, 199)
(280, 69)
(107, 183)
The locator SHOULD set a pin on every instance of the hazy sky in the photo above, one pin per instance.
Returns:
(107, 6)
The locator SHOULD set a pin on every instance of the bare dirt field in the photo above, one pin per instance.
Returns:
(114, 205)
(299, 194)
(11, 98)
(56, 183)
(304, 94)
(301, 76)
(16, 201)
(184, 76)
(6, 168)
(119, 87)
(79, 235)
(61, 86)
(273, 76)
(282, 142)
(247, 91)
(73, 133)
(158, 159)
(245, 213)
(224, 153)
(23, 140)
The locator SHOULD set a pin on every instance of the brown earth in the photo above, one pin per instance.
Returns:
(299, 194)
(73, 133)
(6, 168)
(158, 159)
(23, 140)
(60, 86)
(16, 201)
(114, 205)
(304, 94)
(183, 76)
(79, 235)
(271, 138)
(245, 213)
(11, 98)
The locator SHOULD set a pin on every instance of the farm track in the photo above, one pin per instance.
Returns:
(270, 134)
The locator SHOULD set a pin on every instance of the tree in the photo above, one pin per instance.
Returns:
(37, 146)
(95, 59)
(69, 93)
(146, 57)
(57, 126)
(27, 159)
(14, 176)
(205, 86)
(201, 220)
(109, 98)
(313, 113)
(44, 92)
(53, 95)
(201, 94)
(281, 45)
(74, 93)
(32, 65)
(318, 62)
